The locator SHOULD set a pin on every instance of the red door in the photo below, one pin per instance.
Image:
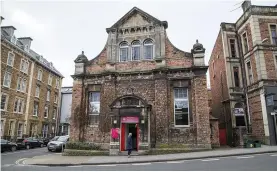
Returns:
(122, 137)
(222, 136)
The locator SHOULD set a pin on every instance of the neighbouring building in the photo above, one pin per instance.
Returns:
(65, 111)
(140, 83)
(243, 76)
(30, 89)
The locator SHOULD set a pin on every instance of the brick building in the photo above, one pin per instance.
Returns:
(243, 75)
(30, 89)
(141, 83)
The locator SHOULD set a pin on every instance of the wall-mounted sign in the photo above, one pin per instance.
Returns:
(130, 119)
(238, 112)
(269, 100)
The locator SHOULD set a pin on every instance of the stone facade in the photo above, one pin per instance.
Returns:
(143, 88)
(246, 49)
(18, 118)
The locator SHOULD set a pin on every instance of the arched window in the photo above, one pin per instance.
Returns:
(136, 50)
(123, 51)
(148, 49)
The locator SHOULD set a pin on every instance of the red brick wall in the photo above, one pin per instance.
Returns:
(219, 90)
(270, 64)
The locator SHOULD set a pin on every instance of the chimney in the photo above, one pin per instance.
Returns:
(9, 29)
(245, 5)
(26, 41)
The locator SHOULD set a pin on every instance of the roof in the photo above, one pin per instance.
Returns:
(35, 56)
(141, 12)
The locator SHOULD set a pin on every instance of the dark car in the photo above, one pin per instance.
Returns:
(58, 144)
(7, 146)
(28, 143)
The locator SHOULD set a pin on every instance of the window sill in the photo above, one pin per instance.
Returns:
(5, 86)
(45, 117)
(181, 126)
(34, 116)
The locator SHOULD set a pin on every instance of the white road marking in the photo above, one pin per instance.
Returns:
(108, 165)
(244, 157)
(209, 159)
(76, 166)
(7, 165)
(141, 164)
(173, 162)
(274, 155)
(19, 160)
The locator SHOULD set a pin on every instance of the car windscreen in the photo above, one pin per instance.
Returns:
(62, 139)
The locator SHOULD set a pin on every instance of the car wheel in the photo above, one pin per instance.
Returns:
(27, 146)
(49, 150)
(41, 145)
(13, 148)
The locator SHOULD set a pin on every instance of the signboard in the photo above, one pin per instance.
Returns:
(238, 112)
(269, 100)
(130, 119)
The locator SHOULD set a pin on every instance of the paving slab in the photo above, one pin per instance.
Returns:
(59, 160)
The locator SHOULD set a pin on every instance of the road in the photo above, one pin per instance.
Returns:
(257, 162)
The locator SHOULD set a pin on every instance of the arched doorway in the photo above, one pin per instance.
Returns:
(131, 114)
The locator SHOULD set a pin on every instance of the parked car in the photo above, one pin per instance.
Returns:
(58, 145)
(8, 146)
(28, 143)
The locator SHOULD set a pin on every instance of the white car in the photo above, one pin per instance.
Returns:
(58, 145)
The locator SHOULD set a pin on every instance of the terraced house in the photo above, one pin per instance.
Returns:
(141, 84)
(30, 89)
(243, 74)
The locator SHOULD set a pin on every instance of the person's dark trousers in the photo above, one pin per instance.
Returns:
(129, 151)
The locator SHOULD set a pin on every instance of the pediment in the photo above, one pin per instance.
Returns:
(135, 20)
(136, 17)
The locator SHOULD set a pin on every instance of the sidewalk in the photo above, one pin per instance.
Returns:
(59, 160)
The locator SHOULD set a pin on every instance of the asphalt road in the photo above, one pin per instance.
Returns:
(258, 162)
(10, 158)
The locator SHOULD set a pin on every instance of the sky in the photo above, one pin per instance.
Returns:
(62, 29)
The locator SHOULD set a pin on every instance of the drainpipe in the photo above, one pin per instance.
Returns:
(244, 83)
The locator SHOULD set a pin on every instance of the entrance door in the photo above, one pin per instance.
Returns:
(132, 129)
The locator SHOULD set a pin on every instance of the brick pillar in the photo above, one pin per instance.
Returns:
(161, 108)
(76, 102)
(201, 111)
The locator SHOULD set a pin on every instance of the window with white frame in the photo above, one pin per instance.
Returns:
(54, 113)
(48, 95)
(4, 101)
(50, 79)
(245, 43)
(39, 75)
(94, 107)
(19, 130)
(56, 98)
(37, 91)
(2, 127)
(181, 107)
(24, 66)
(273, 33)
(136, 50)
(10, 59)
(45, 130)
(233, 52)
(7, 79)
(148, 49)
(11, 128)
(123, 52)
(33, 130)
(36, 106)
(249, 73)
(57, 83)
(46, 112)
(14, 40)
(21, 84)
(18, 105)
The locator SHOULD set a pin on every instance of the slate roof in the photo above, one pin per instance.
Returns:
(32, 54)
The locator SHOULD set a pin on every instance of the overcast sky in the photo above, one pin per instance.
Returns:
(62, 29)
